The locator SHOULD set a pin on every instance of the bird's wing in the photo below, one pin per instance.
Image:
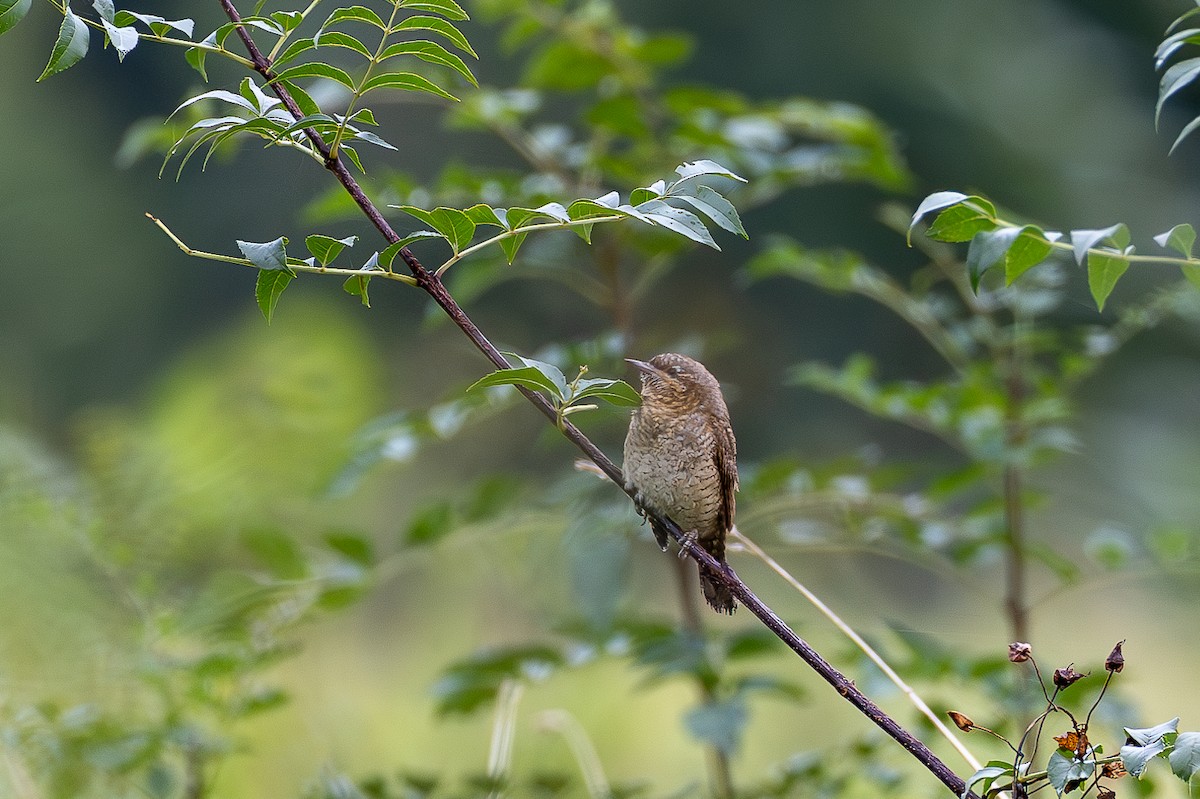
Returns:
(725, 455)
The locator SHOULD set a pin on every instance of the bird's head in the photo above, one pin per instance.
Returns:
(680, 383)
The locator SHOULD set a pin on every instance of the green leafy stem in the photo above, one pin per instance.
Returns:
(995, 241)
(565, 395)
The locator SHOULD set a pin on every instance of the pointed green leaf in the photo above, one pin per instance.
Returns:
(1180, 238)
(961, 222)
(988, 248)
(945, 200)
(1104, 270)
(719, 723)
(269, 286)
(293, 50)
(195, 58)
(357, 286)
(1175, 78)
(432, 52)
(70, 48)
(678, 220)
(325, 248)
(406, 81)
(511, 245)
(549, 370)
(1064, 770)
(1188, 129)
(447, 8)
(1185, 757)
(454, 225)
(1028, 250)
(715, 207)
(159, 26)
(704, 166)
(529, 377)
(482, 214)
(1192, 273)
(1148, 735)
(616, 392)
(389, 254)
(316, 69)
(587, 209)
(1084, 240)
(353, 14)
(345, 40)
(12, 12)
(438, 26)
(371, 138)
(122, 39)
(269, 256)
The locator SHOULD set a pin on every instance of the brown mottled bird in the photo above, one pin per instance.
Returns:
(681, 459)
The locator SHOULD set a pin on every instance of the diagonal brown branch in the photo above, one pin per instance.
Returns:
(432, 285)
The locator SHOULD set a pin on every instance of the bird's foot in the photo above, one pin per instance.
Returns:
(690, 537)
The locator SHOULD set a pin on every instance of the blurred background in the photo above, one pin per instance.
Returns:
(143, 397)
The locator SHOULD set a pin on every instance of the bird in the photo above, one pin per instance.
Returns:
(681, 459)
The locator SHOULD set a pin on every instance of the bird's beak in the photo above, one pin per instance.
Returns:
(644, 367)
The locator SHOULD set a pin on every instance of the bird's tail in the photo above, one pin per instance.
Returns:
(718, 596)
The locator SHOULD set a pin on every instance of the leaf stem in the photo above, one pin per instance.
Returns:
(508, 234)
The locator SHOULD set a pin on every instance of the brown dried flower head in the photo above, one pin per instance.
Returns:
(961, 720)
(1019, 652)
(1116, 659)
(1113, 770)
(1066, 676)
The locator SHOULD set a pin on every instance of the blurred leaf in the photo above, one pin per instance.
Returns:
(430, 525)
(351, 546)
(719, 724)
(751, 642)
(278, 552)
(1175, 78)
(467, 685)
(71, 46)
(598, 561)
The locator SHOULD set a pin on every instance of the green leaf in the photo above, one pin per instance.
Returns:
(678, 220)
(122, 39)
(430, 525)
(355, 548)
(269, 256)
(1064, 770)
(293, 50)
(1175, 78)
(704, 166)
(530, 377)
(1188, 129)
(316, 69)
(1192, 273)
(483, 214)
(389, 254)
(12, 12)
(1104, 270)
(961, 222)
(511, 245)
(160, 26)
(1180, 238)
(719, 723)
(616, 392)
(710, 203)
(1028, 250)
(278, 552)
(1135, 758)
(1084, 240)
(1185, 757)
(195, 58)
(325, 249)
(339, 39)
(986, 777)
(438, 26)
(357, 285)
(447, 8)
(267, 289)
(352, 14)
(432, 52)
(454, 225)
(1148, 735)
(406, 81)
(989, 248)
(944, 199)
(70, 48)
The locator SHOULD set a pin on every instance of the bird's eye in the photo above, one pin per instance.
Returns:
(676, 370)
